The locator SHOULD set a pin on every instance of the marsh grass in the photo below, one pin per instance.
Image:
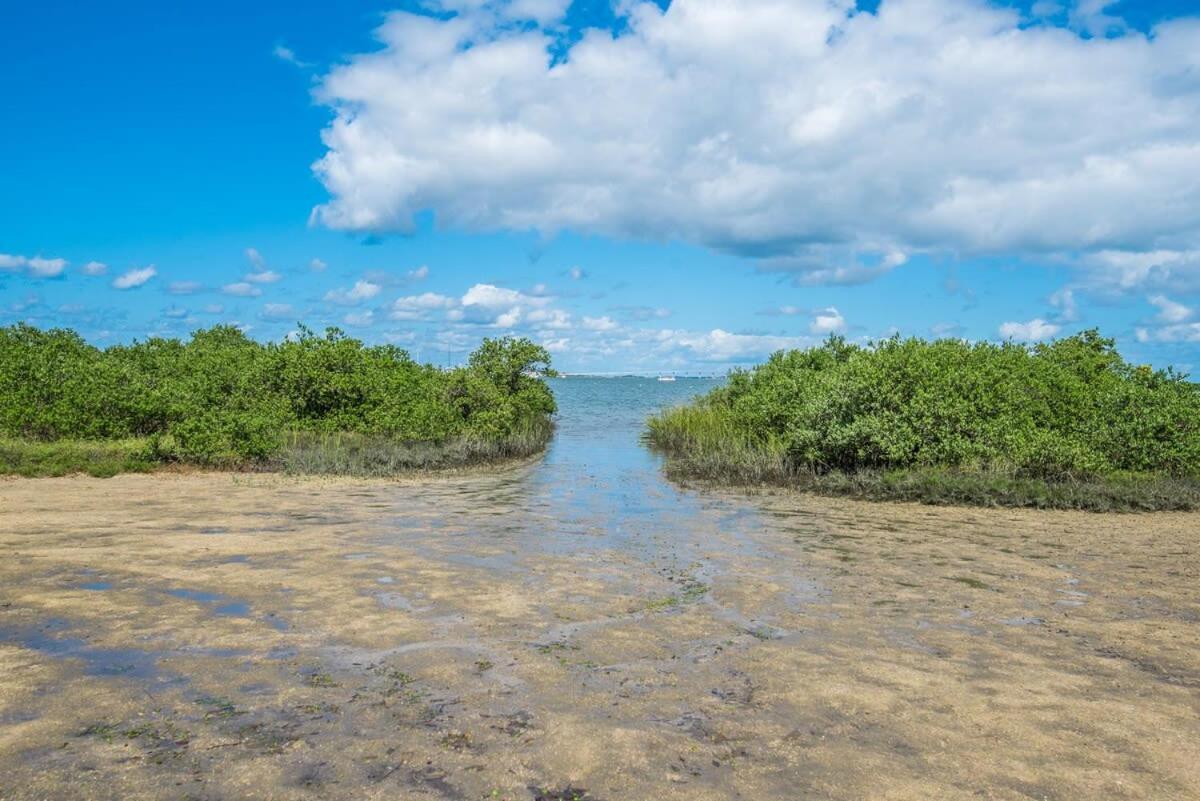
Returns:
(701, 444)
(302, 453)
(361, 455)
(100, 458)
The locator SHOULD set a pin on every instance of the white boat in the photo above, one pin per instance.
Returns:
(666, 378)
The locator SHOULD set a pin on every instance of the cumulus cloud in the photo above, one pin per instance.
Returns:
(802, 133)
(419, 274)
(241, 289)
(362, 290)
(577, 273)
(719, 345)
(1184, 332)
(1032, 331)
(46, 268)
(487, 304)
(359, 319)
(95, 268)
(134, 278)
(828, 321)
(36, 266)
(317, 266)
(1170, 311)
(549, 319)
(417, 307)
(277, 311)
(599, 323)
(263, 277)
(1115, 272)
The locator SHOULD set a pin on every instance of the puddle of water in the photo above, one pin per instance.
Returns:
(96, 586)
(200, 596)
(124, 662)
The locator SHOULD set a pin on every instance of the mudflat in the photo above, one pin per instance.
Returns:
(512, 636)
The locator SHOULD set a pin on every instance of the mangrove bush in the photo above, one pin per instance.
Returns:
(221, 398)
(1066, 423)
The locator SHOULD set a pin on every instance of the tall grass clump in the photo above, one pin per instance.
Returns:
(313, 403)
(1064, 424)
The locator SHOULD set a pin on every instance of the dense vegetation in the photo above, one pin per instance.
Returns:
(1067, 424)
(313, 402)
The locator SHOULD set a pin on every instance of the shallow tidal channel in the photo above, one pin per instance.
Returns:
(580, 628)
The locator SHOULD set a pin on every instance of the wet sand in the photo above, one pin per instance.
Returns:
(600, 636)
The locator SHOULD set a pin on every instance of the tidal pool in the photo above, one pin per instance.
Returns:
(579, 627)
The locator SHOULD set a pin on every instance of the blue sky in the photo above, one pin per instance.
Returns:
(638, 186)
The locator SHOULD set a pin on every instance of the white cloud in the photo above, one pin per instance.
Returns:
(1064, 301)
(214, 308)
(549, 319)
(1184, 332)
(263, 277)
(577, 273)
(288, 55)
(277, 311)
(241, 289)
(95, 268)
(362, 290)
(784, 311)
(36, 266)
(416, 307)
(360, 318)
(46, 268)
(722, 346)
(494, 297)
(419, 274)
(255, 258)
(487, 304)
(505, 12)
(185, 287)
(828, 321)
(818, 139)
(1114, 272)
(1032, 331)
(1170, 311)
(599, 324)
(134, 278)
(317, 266)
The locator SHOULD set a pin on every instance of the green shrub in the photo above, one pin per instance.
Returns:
(1068, 411)
(223, 399)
